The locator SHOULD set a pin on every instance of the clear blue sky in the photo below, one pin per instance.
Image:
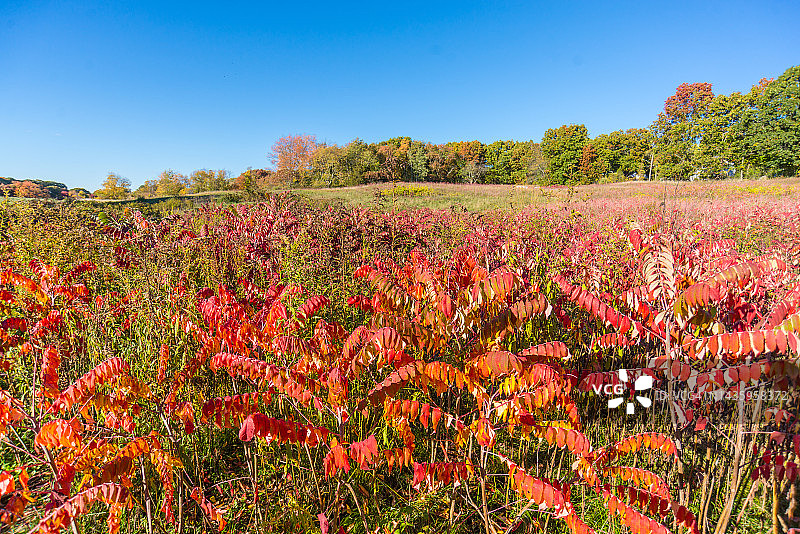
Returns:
(89, 87)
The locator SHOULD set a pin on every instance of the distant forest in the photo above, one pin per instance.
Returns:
(32, 188)
(698, 135)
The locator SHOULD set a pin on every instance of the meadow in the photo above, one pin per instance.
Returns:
(403, 358)
(484, 197)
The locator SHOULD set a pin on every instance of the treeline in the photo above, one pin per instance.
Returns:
(33, 188)
(171, 183)
(698, 135)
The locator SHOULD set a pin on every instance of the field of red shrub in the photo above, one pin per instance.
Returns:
(597, 366)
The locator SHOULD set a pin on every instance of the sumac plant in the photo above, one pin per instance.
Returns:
(75, 445)
(425, 391)
(201, 379)
(719, 332)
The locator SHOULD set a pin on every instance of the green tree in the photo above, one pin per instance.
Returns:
(469, 160)
(325, 168)
(523, 153)
(171, 184)
(114, 187)
(770, 128)
(625, 152)
(499, 163)
(507, 161)
(637, 158)
(538, 171)
(209, 180)
(678, 131)
(352, 164)
(359, 161)
(147, 189)
(418, 160)
(746, 155)
(610, 149)
(717, 155)
(563, 147)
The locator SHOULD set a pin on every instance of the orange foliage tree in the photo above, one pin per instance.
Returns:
(28, 189)
(292, 155)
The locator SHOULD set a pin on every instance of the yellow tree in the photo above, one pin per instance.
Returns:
(171, 184)
(209, 180)
(114, 187)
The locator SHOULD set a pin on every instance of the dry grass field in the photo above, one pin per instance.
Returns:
(481, 197)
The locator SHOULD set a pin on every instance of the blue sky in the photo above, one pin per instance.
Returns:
(89, 87)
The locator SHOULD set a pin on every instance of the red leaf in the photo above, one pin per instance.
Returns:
(6, 483)
(701, 424)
